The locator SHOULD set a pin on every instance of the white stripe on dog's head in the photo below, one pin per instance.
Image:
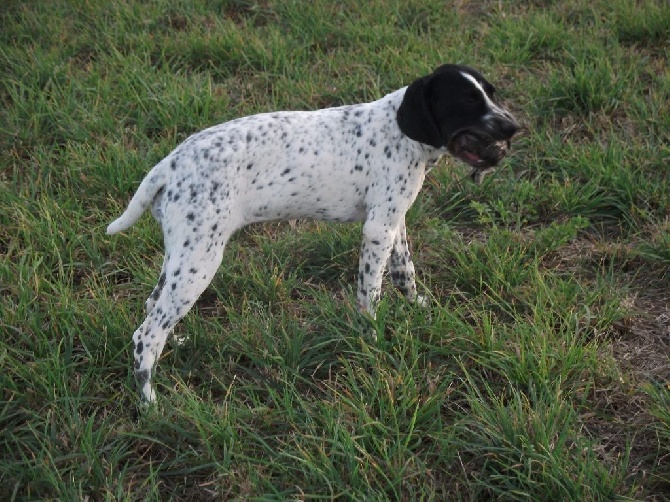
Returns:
(494, 109)
(478, 86)
(489, 102)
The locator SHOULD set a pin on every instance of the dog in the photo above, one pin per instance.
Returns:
(363, 162)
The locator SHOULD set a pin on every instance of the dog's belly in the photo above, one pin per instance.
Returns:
(292, 202)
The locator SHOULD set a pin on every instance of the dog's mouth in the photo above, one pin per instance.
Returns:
(478, 150)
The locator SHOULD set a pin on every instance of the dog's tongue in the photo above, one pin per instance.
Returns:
(471, 157)
(461, 149)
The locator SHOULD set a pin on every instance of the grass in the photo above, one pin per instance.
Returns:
(540, 370)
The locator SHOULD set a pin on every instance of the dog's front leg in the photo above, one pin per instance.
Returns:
(401, 267)
(375, 251)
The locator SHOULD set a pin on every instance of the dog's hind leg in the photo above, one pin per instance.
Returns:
(155, 294)
(186, 274)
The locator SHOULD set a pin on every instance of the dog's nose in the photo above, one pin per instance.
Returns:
(510, 127)
(505, 125)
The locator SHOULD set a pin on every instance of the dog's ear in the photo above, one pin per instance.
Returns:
(415, 117)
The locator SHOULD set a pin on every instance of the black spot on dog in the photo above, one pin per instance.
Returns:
(194, 193)
(142, 376)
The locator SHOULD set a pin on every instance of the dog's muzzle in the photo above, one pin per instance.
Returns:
(483, 148)
(478, 149)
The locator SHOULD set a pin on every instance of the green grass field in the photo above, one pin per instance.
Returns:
(541, 369)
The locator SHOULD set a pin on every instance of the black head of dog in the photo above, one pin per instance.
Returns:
(455, 107)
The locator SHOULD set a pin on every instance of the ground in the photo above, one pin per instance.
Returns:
(540, 369)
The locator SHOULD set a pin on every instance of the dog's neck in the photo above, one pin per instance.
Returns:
(391, 102)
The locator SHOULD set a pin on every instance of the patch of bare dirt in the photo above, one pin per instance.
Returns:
(639, 346)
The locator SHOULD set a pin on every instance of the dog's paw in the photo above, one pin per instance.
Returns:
(368, 330)
(365, 325)
(179, 340)
(422, 301)
(369, 333)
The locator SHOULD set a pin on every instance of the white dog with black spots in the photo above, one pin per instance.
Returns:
(363, 162)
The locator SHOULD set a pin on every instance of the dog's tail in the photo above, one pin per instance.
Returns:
(151, 185)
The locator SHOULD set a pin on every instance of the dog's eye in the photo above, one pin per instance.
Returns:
(472, 97)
